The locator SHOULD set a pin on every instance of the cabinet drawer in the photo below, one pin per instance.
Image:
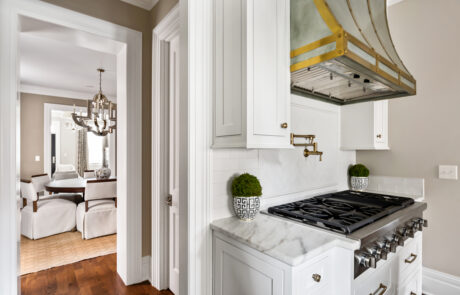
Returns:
(411, 286)
(409, 259)
(316, 275)
(375, 283)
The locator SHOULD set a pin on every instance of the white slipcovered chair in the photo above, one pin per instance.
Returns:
(97, 215)
(89, 174)
(39, 181)
(46, 217)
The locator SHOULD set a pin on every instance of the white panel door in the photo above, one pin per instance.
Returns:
(270, 67)
(174, 165)
(381, 122)
(229, 74)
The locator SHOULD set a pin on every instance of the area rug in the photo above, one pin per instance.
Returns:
(62, 249)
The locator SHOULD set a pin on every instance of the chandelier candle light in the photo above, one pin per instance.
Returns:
(101, 113)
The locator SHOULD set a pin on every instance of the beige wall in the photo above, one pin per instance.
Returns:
(423, 129)
(130, 16)
(32, 121)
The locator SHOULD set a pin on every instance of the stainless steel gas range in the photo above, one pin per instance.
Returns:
(380, 222)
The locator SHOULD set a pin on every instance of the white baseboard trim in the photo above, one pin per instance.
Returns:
(146, 260)
(439, 283)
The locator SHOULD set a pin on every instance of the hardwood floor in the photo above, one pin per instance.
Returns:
(96, 276)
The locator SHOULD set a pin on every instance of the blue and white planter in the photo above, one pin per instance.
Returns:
(246, 208)
(359, 183)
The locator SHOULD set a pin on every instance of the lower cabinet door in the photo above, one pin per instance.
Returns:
(375, 282)
(237, 272)
(412, 286)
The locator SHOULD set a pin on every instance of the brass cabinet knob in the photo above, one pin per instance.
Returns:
(379, 135)
(284, 125)
(316, 277)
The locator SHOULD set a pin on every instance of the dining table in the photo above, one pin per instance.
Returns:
(71, 185)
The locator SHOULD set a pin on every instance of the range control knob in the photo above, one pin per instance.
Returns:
(403, 232)
(383, 253)
(365, 259)
(421, 223)
(411, 229)
(374, 252)
(388, 246)
(397, 240)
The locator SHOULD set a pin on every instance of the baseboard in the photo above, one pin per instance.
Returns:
(146, 268)
(439, 283)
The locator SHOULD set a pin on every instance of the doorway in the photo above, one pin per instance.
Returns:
(165, 153)
(129, 217)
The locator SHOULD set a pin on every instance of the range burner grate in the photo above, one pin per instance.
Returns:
(343, 212)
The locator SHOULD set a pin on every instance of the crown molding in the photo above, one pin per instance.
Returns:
(33, 89)
(144, 4)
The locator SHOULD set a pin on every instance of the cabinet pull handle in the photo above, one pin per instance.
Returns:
(284, 125)
(379, 135)
(411, 258)
(381, 287)
(316, 277)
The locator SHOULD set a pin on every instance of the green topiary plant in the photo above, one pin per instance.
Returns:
(246, 185)
(358, 170)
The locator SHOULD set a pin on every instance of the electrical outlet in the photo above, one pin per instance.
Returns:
(448, 172)
(37, 158)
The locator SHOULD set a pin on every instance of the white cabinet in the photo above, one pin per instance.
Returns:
(239, 269)
(364, 126)
(252, 78)
(239, 272)
(412, 286)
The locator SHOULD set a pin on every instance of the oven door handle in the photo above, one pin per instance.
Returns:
(382, 288)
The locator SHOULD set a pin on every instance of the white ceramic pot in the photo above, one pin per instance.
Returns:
(359, 183)
(103, 173)
(246, 208)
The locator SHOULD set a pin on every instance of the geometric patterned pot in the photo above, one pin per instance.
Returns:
(246, 208)
(359, 183)
(103, 173)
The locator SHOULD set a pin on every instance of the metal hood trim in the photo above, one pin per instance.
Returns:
(356, 48)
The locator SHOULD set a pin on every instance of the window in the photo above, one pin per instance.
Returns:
(95, 150)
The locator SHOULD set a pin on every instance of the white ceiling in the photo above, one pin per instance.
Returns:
(56, 60)
(145, 4)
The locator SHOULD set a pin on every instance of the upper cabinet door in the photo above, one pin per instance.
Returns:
(252, 90)
(364, 126)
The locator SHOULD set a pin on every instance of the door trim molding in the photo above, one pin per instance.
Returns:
(166, 30)
(196, 99)
(129, 77)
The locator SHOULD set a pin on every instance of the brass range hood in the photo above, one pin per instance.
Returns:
(342, 52)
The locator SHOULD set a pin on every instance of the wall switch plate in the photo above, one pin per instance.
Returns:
(37, 158)
(448, 172)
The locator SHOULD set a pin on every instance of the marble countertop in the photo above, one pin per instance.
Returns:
(287, 241)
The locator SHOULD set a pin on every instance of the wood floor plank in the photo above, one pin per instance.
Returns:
(96, 276)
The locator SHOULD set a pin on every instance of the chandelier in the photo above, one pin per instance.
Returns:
(101, 113)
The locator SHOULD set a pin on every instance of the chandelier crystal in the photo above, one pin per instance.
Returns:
(101, 114)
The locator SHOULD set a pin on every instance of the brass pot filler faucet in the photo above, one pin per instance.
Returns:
(310, 142)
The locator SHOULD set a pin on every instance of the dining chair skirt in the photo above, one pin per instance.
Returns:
(54, 216)
(100, 220)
